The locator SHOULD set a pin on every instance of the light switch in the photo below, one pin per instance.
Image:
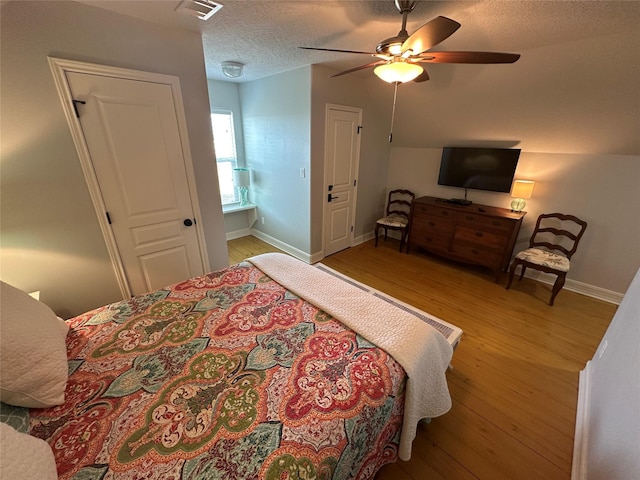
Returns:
(303, 172)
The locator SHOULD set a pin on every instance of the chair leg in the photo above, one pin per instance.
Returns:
(377, 227)
(403, 235)
(522, 270)
(557, 286)
(512, 270)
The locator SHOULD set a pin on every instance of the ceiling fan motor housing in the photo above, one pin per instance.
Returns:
(392, 45)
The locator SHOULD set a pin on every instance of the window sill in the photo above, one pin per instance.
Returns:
(236, 207)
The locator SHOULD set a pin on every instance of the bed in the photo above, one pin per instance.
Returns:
(270, 368)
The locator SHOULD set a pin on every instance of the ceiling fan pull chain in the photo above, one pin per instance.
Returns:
(393, 110)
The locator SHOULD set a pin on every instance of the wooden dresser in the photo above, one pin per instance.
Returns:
(478, 234)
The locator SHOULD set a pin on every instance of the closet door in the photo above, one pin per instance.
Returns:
(131, 132)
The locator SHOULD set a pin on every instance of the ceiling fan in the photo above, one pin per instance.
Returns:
(399, 57)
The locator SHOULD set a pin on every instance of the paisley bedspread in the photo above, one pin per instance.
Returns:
(224, 376)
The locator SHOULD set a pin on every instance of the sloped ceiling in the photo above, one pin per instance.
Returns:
(576, 88)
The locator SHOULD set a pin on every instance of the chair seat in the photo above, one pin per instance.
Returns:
(393, 220)
(545, 259)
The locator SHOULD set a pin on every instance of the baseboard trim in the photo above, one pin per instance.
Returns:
(245, 232)
(581, 437)
(285, 247)
(363, 238)
(571, 285)
(578, 287)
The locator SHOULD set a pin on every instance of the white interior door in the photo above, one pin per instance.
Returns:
(131, 131)
(342, 154)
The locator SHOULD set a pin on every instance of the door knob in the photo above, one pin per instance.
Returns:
(331, 197)
(187, 222)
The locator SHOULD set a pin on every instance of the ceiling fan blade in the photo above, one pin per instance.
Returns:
(423, 77)
(336, 50)
(466, 57)
(430, 34)
(361, 67)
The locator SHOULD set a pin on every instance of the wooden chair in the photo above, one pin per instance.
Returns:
(553, 242)
(397, 217)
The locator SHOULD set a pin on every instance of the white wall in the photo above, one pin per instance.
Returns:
(276, 114)
(50, 236)
(608, 424)
(600, 189)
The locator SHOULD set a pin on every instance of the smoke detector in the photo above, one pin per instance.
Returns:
(203, 9)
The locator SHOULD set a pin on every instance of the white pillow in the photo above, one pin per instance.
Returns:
(24, 456)
(33, 354)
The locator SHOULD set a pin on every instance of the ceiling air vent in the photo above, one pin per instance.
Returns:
(203, 9)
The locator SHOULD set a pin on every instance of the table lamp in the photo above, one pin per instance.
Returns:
(521, 189)
(242, 180)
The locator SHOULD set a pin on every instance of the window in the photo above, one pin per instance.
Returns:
(224, 142)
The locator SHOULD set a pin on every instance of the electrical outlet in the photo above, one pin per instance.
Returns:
(262, 220)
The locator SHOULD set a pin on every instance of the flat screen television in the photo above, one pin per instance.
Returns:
(490, 169)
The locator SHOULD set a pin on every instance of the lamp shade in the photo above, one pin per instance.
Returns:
(522, 188)
(398, 71)
(241, 177)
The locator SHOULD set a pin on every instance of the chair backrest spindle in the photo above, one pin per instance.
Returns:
(559, 233)
(399, 202)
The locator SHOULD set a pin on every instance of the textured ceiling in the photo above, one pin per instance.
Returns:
(264, 34)
(574, 89)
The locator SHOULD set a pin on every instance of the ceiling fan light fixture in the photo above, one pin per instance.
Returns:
(398, 72)
(232, 69)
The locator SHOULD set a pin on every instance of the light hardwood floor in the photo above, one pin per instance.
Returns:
(514, 380)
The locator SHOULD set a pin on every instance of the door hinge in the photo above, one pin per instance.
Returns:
(108, 217)
(359, 128)
(75, 106)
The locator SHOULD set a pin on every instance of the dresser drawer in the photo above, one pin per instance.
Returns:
(429, 239)
(437, 224)
(487, 239)
(477, 254)
(433, 210)
(473, 220)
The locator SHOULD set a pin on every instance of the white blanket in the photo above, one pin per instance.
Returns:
(422, 351)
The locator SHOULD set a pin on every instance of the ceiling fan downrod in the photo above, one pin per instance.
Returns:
(393, 45)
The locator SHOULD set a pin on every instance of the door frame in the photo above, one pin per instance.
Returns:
(325, 184)
(58, 68)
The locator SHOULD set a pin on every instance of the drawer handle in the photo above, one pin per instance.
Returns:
(479, 234)
(469, 217)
